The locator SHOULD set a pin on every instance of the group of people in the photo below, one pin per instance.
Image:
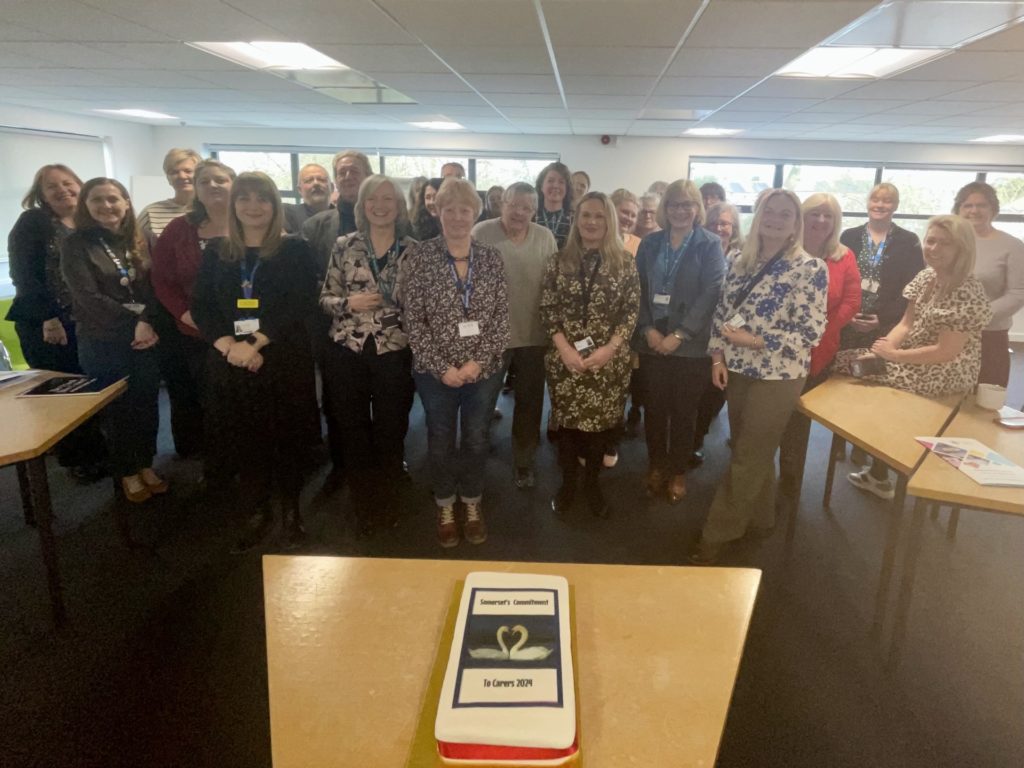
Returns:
(235, 300)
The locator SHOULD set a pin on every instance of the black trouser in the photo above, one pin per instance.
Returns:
(371, 396)
(794, 439)
(130, 422)
(181, 364)
(574, 444)
(528, 386)
(672, 390)
(710, 405)
(85, 445)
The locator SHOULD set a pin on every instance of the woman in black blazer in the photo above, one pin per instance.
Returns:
(253, 300)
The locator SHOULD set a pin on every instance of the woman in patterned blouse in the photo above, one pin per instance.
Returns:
(771, 313)
(589, 308)
(368, 369)
(456, 315)
(554, 190)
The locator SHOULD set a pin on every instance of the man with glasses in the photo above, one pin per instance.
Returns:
(525, 249)
(323, 229)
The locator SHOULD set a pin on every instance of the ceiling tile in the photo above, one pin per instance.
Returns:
(658, 23)
(380, 60)
(774, 23)
(496, 59)
(519, 84)
(703, 86)
(592, 60)
(439, 22)
(76, 21)
(611, 86)
(730, 62)
(901, 89)
(803, 88)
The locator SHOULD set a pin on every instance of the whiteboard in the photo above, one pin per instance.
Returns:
(22, 153)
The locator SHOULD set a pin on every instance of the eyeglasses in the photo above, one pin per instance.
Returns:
(686, 206)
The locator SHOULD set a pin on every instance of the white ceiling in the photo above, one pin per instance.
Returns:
(621, 67)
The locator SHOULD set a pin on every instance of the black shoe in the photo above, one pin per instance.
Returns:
(294, 530)
(256, 529)
(524, 478)
(564, 499)
(596, 502)
(697, 457)
(86, 474)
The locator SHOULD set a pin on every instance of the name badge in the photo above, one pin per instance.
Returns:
(390, 320)
(248, 304)
(871, 286)
(247, 326)
(469, 328)
(738, 321)
(134, 307)
(584, 344)
(662, 299)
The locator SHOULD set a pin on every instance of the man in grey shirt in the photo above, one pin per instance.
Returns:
(526, 249)
(315, 192)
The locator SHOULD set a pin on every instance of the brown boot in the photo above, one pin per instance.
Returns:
(447, 529)
(474, 530)
(676, 488)
(655, 483)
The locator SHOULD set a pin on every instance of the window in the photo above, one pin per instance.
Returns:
(500, 171)
(926, 192)
(402, 168)
(743, 182)
(277, 165)
(1010, 189)
(849, 184)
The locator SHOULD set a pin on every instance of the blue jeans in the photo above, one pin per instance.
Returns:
(130, 422)
(457, 471)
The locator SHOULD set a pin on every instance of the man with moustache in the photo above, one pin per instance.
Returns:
(315, 191)
(323, 230)
(525, 250)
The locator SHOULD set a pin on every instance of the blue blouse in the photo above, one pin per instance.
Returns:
(786, 308)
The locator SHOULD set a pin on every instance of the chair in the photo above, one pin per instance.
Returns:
(9, 337)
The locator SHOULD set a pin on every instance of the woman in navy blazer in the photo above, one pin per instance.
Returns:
(681, 269)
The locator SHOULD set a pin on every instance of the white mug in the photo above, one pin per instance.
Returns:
(991, 397)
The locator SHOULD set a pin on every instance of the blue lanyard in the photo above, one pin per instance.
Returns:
(375, 262)
(465, 289)
(127, 274)
(675, 258)
(247, 280)
(877, 257)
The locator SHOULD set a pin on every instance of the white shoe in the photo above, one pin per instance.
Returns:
(883, 489)
(610, 459)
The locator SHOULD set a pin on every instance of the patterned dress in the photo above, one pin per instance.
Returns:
(965, 310)
(591, 401)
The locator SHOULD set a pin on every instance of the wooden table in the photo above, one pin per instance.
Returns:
(938, 481)
(883, 422)
(351, 643)
(30, 427)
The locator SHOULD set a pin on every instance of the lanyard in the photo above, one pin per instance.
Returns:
(869, 246)
(127, 273)
(588, 287)
(247, 280)
(378, 264)
(554, 220)
(465, 289)
(752, 281)
(673, 258)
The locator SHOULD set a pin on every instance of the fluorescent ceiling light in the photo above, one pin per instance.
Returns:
(1002, 137)
(857, 62)
(713, 131)
(271, 55)
(138, 113)
(439, 125)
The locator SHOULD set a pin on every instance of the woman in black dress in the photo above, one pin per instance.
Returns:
(253, 300)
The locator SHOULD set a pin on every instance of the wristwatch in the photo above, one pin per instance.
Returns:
(681, 335)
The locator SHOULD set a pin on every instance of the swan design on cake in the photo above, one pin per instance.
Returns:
(517, 652)
(501, 652)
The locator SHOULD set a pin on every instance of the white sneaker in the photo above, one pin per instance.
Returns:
(610, 459)
(883, 489)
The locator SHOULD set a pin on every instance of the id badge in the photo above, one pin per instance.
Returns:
(662, 299)
(247, 326)
(584, 344)
(389, 320)
(248, 303)
(871, 286)
(738, 321)
(134, 307)
(469, 328)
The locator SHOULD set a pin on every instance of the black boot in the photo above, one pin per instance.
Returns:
(570, 466)
(595, 498)
(294, 530)
(256, 528)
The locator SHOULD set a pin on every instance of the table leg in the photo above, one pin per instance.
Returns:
(892, 538)
(39, 498)
(26, 497)
(906, 583)
(798, 484)
(954, 521)
(831, 474)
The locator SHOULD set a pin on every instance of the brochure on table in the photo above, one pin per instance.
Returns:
(983, 465)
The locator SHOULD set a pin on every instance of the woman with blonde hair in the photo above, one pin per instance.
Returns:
(589, 308)
(681, 269)
(627, 208)
(253, 302)
(106, 267)
(936, 348)
(770, 314)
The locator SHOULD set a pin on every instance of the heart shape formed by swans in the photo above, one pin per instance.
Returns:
(517, 652)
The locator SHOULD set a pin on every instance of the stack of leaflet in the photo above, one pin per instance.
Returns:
(509, 696)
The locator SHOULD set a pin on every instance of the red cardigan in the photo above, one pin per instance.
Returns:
(843, 304)
(176, 261)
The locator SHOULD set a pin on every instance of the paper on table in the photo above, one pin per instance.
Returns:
(974, 459)
(10, 378)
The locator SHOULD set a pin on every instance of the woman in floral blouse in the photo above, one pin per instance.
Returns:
(368, 369)
(771, 314)
(589, 308)
(456, 315)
